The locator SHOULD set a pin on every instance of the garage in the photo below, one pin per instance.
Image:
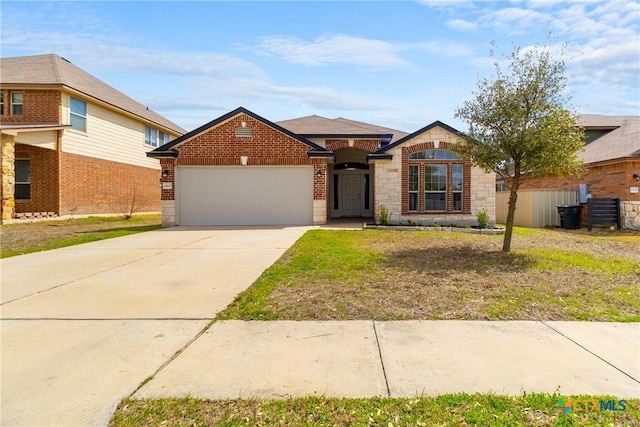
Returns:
(244, 195)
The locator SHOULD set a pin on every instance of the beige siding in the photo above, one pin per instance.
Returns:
(535, 208)
(44, 139)
(110, 136)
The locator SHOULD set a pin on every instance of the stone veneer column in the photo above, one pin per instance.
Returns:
(8, 177)
(631, 215)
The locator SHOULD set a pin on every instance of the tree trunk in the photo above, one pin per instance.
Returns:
(511, 213)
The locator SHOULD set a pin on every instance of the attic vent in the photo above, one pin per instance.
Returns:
(244, 132)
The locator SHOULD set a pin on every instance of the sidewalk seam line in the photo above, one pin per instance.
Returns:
(172, 358)
(589, 351)
(384, 371)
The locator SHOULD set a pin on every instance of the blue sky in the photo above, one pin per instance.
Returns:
(399, 64)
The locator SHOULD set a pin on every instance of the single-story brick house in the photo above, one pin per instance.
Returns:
(611, 157)
(71, 144)
(242, 169)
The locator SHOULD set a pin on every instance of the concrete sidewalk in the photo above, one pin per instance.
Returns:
(404, 358)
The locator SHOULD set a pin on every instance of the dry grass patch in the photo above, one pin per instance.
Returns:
(530, 409)
(384, 275)
(38, 236)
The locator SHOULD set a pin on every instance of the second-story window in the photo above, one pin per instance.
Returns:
(1, 103)
(16, 103)
(154, 137)
(78, 116)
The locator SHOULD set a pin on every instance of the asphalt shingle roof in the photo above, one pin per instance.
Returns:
(621, 142)
(51, 69)
(317, 125)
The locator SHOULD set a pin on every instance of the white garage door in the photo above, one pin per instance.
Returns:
(244, 195)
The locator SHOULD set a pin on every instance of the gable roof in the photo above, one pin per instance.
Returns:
(51, 69)
(318, 126)
(416, 133)
(622, 140)
(168, 149)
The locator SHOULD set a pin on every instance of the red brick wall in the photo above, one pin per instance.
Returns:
(89, 185)
(37, 106)
(466, 183)
(44, 179)
(266, 146)
(608, 180)
(368, 145)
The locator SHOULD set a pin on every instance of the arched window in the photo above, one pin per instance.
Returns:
(436, 181)
(434, 155)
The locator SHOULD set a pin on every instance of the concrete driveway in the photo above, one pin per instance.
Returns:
(83, 326)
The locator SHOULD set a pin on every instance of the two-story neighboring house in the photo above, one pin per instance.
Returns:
(73, 144)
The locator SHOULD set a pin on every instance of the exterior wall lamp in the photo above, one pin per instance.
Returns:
(636, 177)
(320, 172)
(165, 173)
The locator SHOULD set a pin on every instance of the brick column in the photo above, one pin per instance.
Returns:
(8, 177)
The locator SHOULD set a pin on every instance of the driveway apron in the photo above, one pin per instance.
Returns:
(83, 326)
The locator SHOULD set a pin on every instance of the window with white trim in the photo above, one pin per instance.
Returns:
(457, 179)
(16, 103)
(78, 115)
(155, 138)
(413, 187)
(435, 188)
(434, 182)
(22, 187)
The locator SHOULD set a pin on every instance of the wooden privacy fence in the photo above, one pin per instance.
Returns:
(603, 211)
(535, 208)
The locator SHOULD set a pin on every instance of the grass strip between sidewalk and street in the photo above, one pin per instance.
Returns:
(528, 409)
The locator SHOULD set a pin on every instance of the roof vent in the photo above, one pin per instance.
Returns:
(244, 132)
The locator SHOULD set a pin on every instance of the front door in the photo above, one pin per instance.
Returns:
(351, 194)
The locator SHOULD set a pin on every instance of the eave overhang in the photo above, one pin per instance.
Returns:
(379, 156)
(163, 154)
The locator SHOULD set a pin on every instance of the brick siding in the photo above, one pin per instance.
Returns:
(606, 180)
(89, 185)
(44, 179)
(611, 180)
(368, 145)
(219, 146)
(37, 106)
(466, 183)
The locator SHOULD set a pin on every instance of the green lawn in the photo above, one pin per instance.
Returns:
(396, 275)
(29, 237)
(531, 409)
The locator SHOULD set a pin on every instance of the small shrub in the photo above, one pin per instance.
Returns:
(383, 215)
(483, 218)
(436, 224)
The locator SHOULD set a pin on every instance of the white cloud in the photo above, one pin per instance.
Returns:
(111, 54)
(332, 49)
(462, 25)
(513, 20)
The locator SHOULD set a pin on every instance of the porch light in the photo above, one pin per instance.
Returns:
(636, 177)
(244, 160)
(165, 173)
(320, 172)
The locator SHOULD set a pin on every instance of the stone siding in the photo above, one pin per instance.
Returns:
(630, 212)
(388, 180)
(8, 177)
